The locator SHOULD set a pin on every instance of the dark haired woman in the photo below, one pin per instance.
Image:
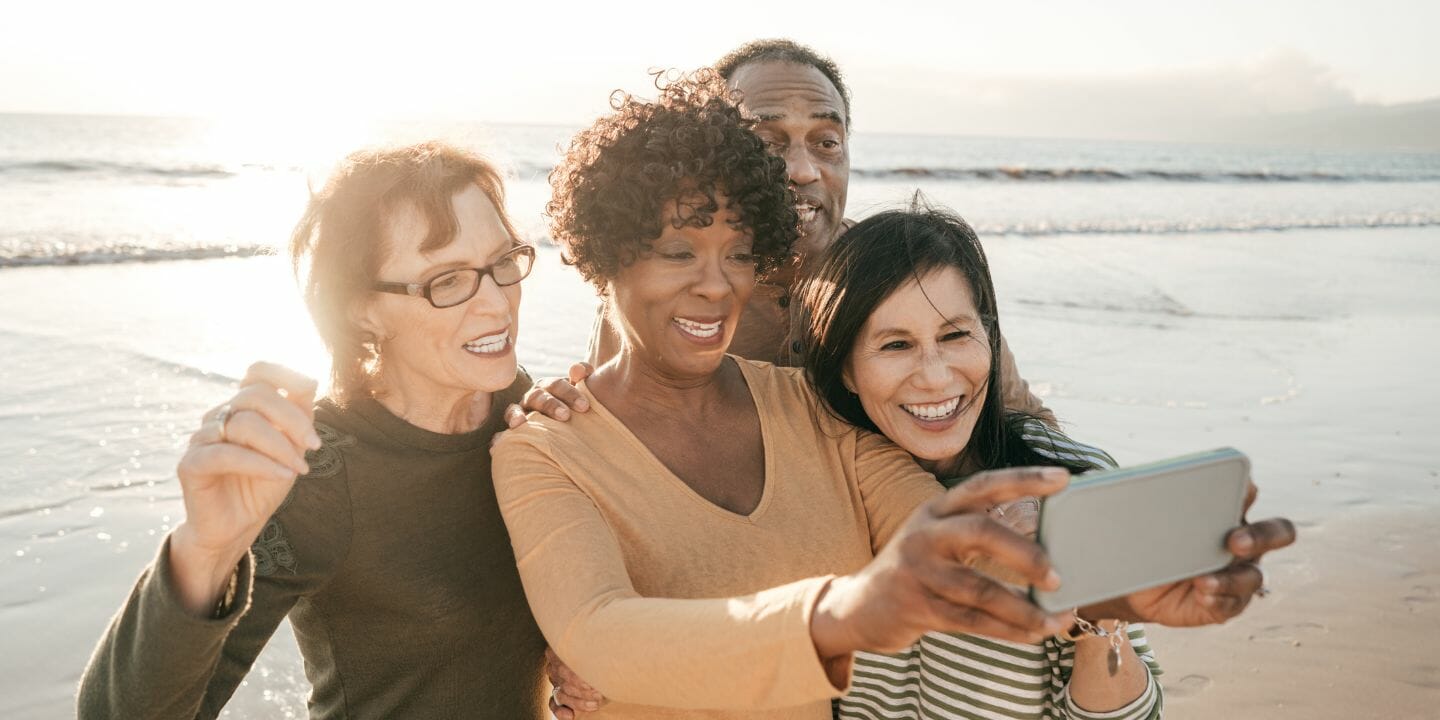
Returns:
(389, 556)
(680, 542)
(907, 350)
(901, 337)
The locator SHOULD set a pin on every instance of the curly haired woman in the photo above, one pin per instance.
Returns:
(706, 541)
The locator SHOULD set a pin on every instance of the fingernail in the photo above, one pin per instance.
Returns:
(1210, 584)
(582, 404)
(1207, 600)
(284, 473)
(1054, 473)
(1243, 542)
(1054, 624)
(563, 413)
(313, 441)
(1052, 579)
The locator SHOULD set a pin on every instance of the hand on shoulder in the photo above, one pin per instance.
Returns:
(553, 397)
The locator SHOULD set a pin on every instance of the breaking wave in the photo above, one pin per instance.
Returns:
(35, 253)
(1100, 174)
(532, 170)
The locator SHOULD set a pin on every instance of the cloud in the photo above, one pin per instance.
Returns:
(1186, 103)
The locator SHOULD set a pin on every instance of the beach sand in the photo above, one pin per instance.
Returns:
(1348, 632)
(1312, 351)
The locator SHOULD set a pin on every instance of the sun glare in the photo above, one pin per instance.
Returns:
(280, 140)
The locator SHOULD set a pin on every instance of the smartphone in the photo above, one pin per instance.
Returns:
(1114, 532)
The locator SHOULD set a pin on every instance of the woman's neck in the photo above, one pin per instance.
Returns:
(631, 382)
(448, 413)
(951, 467)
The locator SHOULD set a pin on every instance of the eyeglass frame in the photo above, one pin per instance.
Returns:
(422, 289)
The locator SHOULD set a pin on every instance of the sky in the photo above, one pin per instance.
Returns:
(1022, 67)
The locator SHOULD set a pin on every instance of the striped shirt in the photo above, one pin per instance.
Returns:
(969, 676)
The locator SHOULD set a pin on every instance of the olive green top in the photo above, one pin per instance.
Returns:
(390, 558)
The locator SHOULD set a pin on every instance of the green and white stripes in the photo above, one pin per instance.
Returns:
(968, 676)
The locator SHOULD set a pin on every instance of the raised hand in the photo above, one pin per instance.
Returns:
(240, 465)
(920, 581)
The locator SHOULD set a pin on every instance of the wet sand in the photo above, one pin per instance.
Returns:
(1313, 351)
(1349, 631)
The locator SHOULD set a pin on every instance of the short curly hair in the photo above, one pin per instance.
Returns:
(782, 50)
(689, 144)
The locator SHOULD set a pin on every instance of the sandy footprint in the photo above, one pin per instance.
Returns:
(1421, 597)
(1424, 676)
(1187, 687)
(1290, 633)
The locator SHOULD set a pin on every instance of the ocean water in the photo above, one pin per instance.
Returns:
(77, 190)
(1162, 297)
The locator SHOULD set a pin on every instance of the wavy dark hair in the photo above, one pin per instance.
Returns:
(864, 267)
(689, 144)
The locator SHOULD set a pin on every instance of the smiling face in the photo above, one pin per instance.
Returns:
(920, 366)
(801, 118)
(678, 304)
(445, 354)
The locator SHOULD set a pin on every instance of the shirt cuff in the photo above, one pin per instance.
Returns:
(161, 596)
(1141, 707)
(839, 667)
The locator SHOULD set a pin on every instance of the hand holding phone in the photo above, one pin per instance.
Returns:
(1115, 532)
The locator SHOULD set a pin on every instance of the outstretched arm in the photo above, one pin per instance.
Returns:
(783, 646)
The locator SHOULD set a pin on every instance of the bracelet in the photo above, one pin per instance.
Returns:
(227, 598)
(1118, 636)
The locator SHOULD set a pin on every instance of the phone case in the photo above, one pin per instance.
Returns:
(1114, 532)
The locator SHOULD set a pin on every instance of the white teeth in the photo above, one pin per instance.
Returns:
(700, 330)
(933, 411)
(489, 343)
(806, 212)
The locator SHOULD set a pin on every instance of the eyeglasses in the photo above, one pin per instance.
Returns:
(456, 286)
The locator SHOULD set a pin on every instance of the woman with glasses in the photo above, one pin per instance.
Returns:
(388, 554)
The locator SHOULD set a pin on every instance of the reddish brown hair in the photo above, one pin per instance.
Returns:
(342, 240)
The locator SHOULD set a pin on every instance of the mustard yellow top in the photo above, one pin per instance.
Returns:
(671, 605)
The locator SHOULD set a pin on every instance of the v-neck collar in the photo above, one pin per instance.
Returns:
(767, 490)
